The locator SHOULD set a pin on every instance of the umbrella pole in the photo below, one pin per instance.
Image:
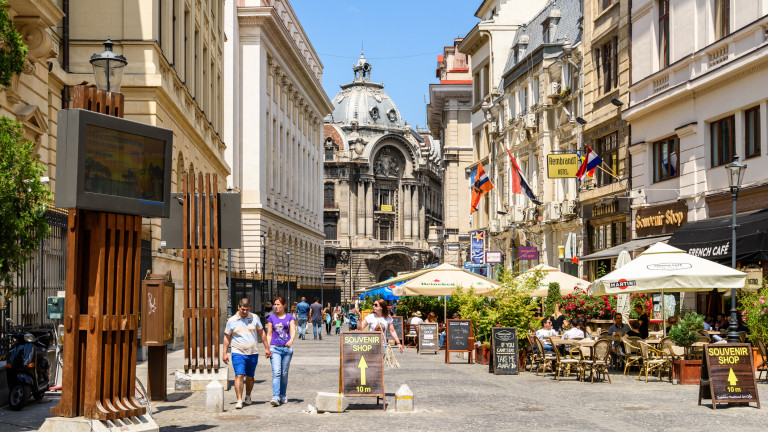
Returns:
(445, 310)
(663, 313)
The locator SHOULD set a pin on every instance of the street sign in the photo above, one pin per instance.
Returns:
(504, 354)
(728, 376)
(428, 338)
(562, 165)
(459, 338)
(361, 368)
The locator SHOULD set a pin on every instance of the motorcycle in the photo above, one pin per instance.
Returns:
(27, 366)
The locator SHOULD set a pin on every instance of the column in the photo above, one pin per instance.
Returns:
(423, 213)
(360, 208)
(369, 209)
(406, 212)
(415, 213)
(351, 210)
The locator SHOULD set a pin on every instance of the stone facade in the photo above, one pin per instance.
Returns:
(276, 103)
(449, 113)
(383, 189)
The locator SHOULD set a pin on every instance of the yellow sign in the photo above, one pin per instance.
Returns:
(562, 165)
(363, 366)
(386, 207)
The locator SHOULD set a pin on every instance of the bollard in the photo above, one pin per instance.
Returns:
(331, 402)
(214, 397)
(404, 399)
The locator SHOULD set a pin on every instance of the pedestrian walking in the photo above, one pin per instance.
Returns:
(240, 332)
(281, 331)
(302, 316)
(327, 316)
(380, 320)
(316, 317)
(338, 323)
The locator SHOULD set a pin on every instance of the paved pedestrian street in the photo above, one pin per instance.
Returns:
(447, 397)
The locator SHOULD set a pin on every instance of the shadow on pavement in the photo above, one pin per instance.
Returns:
(186, 428)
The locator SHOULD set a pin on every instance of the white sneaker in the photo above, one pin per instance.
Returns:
(239, 405)
(283, 400)
(247, 400)
(275, 401)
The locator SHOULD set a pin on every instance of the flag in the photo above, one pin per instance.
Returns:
(591, 161)
(519, 183)
(481, 186)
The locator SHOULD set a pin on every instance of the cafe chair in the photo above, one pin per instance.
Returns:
(653, 361)
(669, 348)
(764, 354)
(632, 355)
(563, 364)
(601, 359)
(543, 359)
(412, 335)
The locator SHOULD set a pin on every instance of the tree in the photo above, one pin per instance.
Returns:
(553, 297)
(23, 199)
(12, 48)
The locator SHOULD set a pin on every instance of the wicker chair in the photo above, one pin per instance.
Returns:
(673, 351)
(764, 354)
(601, 359)
(654, 360)
(632, 355)
(544, 360)
(563, 364)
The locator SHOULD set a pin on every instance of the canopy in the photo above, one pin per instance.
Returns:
(384, 292)
(443, 280)
(394, 280)
(666, 268)
(567, 282)
(629, 246)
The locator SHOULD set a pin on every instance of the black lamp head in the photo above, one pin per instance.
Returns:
(581, 120)
(617, 102)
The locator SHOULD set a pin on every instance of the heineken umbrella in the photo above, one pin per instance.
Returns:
(567, 282)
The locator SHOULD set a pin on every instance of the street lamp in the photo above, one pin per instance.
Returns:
(288, 257)
(108, 68)
(735, 176)
(344, 282)
(264, 237)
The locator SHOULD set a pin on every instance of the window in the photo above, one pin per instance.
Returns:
(752, 132)
(608, 148)
(329, 153)
(607, 62)
(383, 230)
(722, 18)
(721, 139)
(329, 196)
(605, 4)
(663, 33)
(330, 262)
(384, 199)
(330, 223)
(486, 81)
(666, 161)
(476, 87)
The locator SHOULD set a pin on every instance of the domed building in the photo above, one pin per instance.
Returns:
(383, 209)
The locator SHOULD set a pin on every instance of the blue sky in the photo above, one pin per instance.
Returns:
(401, 39)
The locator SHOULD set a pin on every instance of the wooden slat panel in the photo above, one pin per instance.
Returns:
(185, 258)
(209, 277)
(215, 284)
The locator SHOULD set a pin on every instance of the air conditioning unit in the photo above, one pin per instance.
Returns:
(554, 88)
(569, 208)
(552, 211)
(530, 121)
(517, 214)
(508, 219)
(530, 214)
(495, 226)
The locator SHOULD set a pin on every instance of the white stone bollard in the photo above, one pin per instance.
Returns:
(214, 397)
(331, 402)
(404, 399)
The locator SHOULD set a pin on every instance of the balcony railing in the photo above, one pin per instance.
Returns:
(332, 205)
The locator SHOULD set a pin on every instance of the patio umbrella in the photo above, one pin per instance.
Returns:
(622, 300)
(567, 282)
(666, 268)
(443, 280)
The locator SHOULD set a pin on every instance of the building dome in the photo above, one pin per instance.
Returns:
(365, 102)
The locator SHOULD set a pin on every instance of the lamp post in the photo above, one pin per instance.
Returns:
(264, 237)
(108, 68)
(735, 176)
(288, 257)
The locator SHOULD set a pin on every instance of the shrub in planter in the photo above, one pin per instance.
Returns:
(754, 313)
(686, 332)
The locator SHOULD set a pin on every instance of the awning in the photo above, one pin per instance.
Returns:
(711, 238)
(628, 246)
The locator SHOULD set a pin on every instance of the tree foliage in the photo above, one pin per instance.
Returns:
(13, 51)
(686, 332)
(23, 198)
(553, 297)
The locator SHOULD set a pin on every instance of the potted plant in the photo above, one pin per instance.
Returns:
(553, 297)
(687, 370)
(754, 315)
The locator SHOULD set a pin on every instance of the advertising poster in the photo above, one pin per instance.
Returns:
(477, 249)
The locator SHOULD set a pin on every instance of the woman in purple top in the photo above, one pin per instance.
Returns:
(281, 330)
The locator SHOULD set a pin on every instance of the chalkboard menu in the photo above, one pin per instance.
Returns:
(397, 321)
(361, 368)
(459, 338)
(504, 355)
(428, 338)
(728, 374)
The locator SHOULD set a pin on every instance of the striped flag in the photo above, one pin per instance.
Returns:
(481, 186)
(519, 183)
(591, 161)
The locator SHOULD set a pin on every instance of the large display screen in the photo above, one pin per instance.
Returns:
(123, 164)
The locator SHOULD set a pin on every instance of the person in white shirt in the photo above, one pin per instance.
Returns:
(545, 332)
(578, 331)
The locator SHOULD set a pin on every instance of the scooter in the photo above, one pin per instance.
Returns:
(27, 366)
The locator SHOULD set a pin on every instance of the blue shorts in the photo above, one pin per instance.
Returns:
(245, 364)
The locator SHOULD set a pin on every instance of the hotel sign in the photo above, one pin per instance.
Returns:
(659, 220)
(564, 165)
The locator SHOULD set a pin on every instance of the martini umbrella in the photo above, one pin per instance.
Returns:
(622, 300)
(567, 282)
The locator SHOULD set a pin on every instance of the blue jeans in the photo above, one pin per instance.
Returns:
(281, 362)
(302, 324)
(441, 340)
(317, 328)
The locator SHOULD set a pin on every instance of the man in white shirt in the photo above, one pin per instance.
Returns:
(545, 332)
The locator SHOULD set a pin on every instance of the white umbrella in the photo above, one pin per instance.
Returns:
(663, 267)
(622, 301)
(567, 282)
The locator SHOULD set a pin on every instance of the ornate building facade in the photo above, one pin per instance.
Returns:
(383, 208)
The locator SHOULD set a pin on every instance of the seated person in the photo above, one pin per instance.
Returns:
(722, 322)
(441, 338)
(414, 321)
(545, 332)
(634, 329)
(618, 328)
(578, 331)
(671, 321)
